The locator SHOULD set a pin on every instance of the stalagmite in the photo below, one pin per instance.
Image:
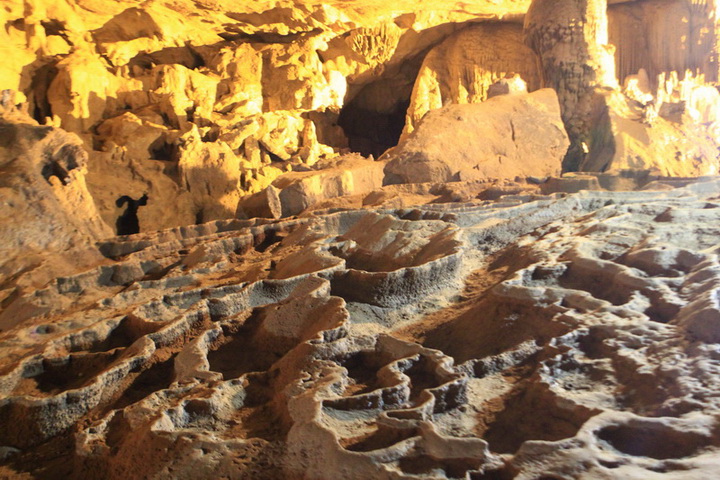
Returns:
(571, 38)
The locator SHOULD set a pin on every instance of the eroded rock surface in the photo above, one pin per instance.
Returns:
(480, 303)
(293, 193)
(536, 336)
(201, 102)
(45, 205)
(464, 68)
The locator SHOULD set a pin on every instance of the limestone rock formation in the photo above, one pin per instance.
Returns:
(589, 48)
(46, 206)
(672, 139)
(506, 137)
(205, 273)
(571, 38)
(663, 37)
(263, 80)
(200, 103)
(292, 193)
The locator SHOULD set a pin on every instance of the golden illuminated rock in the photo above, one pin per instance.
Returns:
(284, 85)
(46, 205)
(508, 136)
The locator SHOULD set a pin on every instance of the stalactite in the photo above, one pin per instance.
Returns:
(663, 37)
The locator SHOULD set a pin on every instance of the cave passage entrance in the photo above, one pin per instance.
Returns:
(372, 131)
(374, 114)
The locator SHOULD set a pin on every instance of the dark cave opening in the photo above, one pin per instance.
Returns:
(161, 149)
(374, 114)
(60, 163)
(372, 132)
(40, 107)
(128, 223)
(54, 169)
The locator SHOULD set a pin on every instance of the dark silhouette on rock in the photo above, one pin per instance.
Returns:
(127, 223)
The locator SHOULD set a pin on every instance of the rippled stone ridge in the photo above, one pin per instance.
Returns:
(558, 336)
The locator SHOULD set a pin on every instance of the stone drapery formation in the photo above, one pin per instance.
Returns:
(663, 37)
(662, 53)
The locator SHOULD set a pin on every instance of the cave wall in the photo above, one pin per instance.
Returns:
(45, 204)
(199, 103)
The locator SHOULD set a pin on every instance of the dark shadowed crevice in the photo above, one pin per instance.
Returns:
(186, 56)
(56, 27)
(653, 440)
(41, 80)
(373, 117)
(162, 150)
(372, 132)
(128, 223)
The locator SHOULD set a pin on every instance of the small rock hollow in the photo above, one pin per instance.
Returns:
(660, 442)
(372, 132)
(128, 223)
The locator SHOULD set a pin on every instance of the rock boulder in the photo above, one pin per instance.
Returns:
(294, 192)
(504, 137)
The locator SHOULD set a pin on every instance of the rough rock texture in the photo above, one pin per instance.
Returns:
(279, 307)
(416, 343)
(505, 137)
(229, 96)
(680, 138)
(662, 52)
(293, 193)
(45, 206)
(200, 103)
(114, 174)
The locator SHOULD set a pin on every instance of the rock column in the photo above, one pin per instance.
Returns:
(571, 38)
